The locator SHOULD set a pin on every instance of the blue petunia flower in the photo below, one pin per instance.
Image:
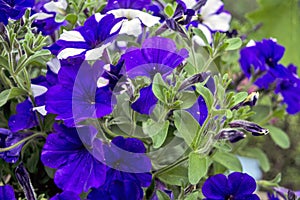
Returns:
(127, 172)
(157, 55)
(261, 60)
(90, 40)
(71, 151)
(7, 139)
(45, 13)
(13, 9)
(131, 4)
(83, 92)
(238, 186)
(7, 192)
(66, 195)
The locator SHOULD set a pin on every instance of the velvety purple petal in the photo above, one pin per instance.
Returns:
(146, 102)
(48, 26)
(241, 184)
(247, 197)
(7, 192)
(3, 18)
(199, 110)
(216, 187)
(125, 190)
(265, 80)
(66, 195)
(130, 4)
(24, 118)
(129, 144)
(99, 193)
(65, 151)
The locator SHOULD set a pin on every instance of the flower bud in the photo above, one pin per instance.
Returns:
(232, 135)
(254, 128)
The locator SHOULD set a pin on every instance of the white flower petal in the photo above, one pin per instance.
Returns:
(207, 34)
(132, 27)
(211, 7)
(101, 82)
(41, 16)
(54, 65)
(38, 90)
(57, 7)
(96, 53)
(189, 3)
(41, 109)
(251, 43)
(98, 17)
(147, 19)
(218, 22)
(73, 36)
(69, 52)
(117, 26)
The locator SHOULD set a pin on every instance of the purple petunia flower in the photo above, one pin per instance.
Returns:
(82, 93)
(157, 55)
(67, 151)
(7, 139)
(89, 40)
(127, 171)
(237, 186)
(273, 197)
(7, 192)
(66, 195)
(13, 9)
(262, 59)
(130, 4)
(45, 13)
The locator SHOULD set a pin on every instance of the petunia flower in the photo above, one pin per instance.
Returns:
(66, 195)
(211, 18)
(261, 60)
(127, 172)
(128, 4)
(12, 9)
(7, 139)
(82, 93)
(239, 186)
(71, 151)
(89, 40)
(157, 55)
(7, 192)
(45, 13)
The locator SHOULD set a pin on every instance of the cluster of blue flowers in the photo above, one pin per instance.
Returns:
(76, 89)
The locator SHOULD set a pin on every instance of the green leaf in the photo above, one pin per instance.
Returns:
(228, 160)
(233, 44)
(260, 156)
(279, 137)
(161, 195)
(4, 62)
(157, 131)
(169, 10)
(239, 97)
(197, 167)
(199, 33)
(10, 94)
(177, 176)
(193, 196)
(159, 88)
(186, 125)
(187, 98)
(206, 94)
(72, 18)
(280, 20)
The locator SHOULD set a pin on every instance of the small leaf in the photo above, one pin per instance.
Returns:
(169, 10)
(260, 156)
(186, 125)
(161, 195)
(228, 160)
(239, 97)
(233, 44)
(199, 33)
(279, 137)
(72, 18)
(197, 167)
(157, 131)
(177, 176)
(193, 196)
(10, 94)
(188, 99)
(206, 94)
(159, 87)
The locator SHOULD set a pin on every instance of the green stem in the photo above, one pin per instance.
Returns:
(22, 141)
(172, 166)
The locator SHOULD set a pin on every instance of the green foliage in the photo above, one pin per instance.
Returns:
(280, 20)
(198, 167)
(177, 176)
(10, 94)
(161, 195)
(228, 160)
(279, 137)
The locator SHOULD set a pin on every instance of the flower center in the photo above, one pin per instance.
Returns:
(231, 197)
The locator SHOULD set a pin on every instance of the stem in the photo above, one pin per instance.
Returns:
(172, 166)
(22, 141)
